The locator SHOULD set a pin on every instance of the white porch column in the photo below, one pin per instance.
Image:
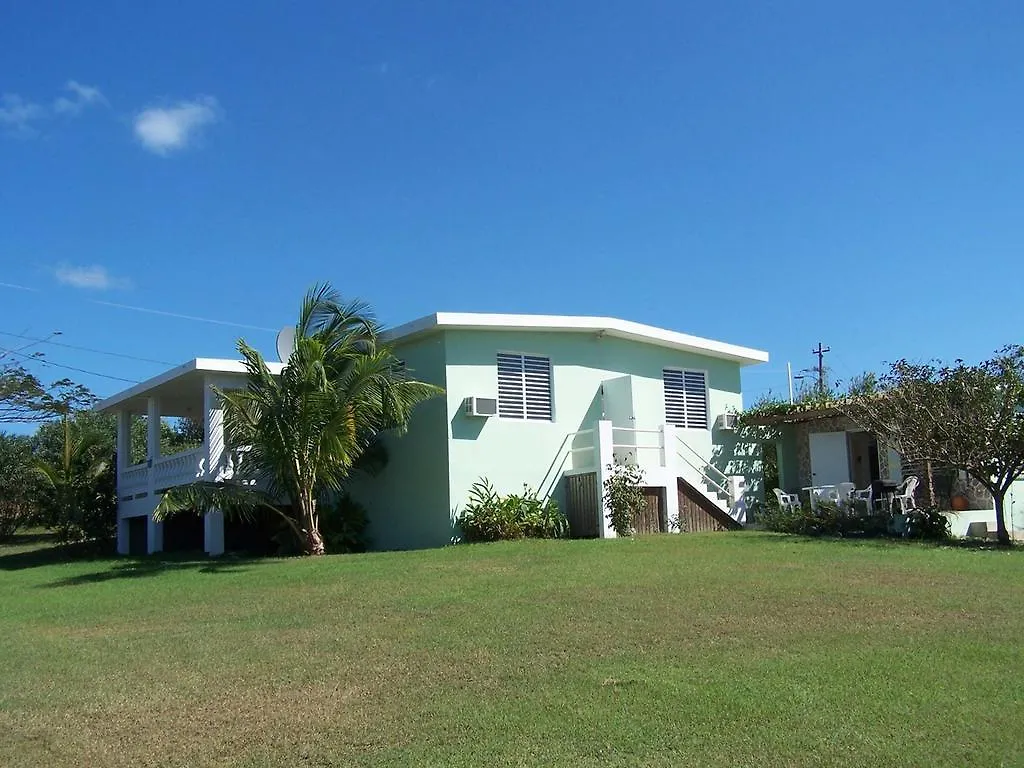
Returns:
(154, 530)
(154, 535)
(124, 450)
(213, 533)
(122, 534)
(603, 450)
(124, 440)
(213, 434)
(670, 461)
(669, 447)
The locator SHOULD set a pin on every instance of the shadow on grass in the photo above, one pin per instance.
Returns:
(39, 549)
(141, 568)
(880, 542)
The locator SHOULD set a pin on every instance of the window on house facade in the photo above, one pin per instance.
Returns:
(524, 387)
(686, 398)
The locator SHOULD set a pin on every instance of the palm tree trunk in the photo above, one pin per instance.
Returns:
(314, 543)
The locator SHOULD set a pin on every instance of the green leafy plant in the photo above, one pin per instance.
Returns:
(78, 499)
(830, 519)
(624, 497)
(344, 524)
(489, 516)
(927, 523)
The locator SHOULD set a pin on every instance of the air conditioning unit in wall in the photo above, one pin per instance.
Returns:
(727, 421)
(481, 406)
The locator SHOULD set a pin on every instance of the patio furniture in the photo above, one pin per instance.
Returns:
(846, 492)
(787, 501)
(905, 494)
(864, 495)
(820, 493)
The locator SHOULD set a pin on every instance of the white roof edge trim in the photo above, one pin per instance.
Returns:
(574, 323)
(200, 364)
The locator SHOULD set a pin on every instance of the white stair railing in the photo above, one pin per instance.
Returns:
(705, 469)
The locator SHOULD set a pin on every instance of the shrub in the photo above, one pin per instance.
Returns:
(343, 525)
(833, 520)
(928, 523)
(489, 516)
(624, 497)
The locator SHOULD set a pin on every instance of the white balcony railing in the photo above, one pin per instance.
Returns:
(178, 468)
(133, 479)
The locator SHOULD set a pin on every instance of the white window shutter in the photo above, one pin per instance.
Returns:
(686, 398)
(524, 387)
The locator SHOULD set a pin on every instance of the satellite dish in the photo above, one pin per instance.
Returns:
(285, 343)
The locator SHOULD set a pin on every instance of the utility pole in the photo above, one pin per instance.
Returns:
(820, 352)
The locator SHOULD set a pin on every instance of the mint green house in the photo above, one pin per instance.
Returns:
(550, 402)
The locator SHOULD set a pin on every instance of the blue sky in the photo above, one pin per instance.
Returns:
(766, 174)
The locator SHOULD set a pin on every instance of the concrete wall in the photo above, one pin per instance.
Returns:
(513, 452)
(1013, 515)
(408, 503)
(415, 501)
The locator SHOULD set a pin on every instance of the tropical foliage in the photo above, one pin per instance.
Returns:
(490, 516)
(968, 417)
(624, 497)
(19, 484)
(78, 500)
(304, 432)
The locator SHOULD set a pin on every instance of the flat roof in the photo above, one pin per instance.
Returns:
(611, 326)
(174, 379)
(171, 384)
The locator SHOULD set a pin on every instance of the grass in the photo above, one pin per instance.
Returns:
(743, 649)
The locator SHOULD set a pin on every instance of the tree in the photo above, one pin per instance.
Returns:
(305, 431)
(966, 417)
(79, 500)
(20, 394)
(19, 484)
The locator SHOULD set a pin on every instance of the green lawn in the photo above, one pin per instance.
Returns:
(740, 649)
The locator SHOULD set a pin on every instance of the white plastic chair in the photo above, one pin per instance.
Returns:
(846, 492)
(788, 501)
(905, 494)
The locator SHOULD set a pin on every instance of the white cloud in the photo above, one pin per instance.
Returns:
(94, 277)
(18, 115)
(167, 129)
(82, 97)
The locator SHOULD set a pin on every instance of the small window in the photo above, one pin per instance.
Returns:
(524, 387)
(686, 398)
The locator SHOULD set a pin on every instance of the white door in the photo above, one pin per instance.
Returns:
(830, 460)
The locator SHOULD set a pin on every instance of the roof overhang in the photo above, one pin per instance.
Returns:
(793, 417)
(608, 326)
(179, 389)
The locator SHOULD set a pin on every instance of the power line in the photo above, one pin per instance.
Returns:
(181, 316)
(84, 349)
(43, 361)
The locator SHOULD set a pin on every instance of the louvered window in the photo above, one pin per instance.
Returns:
(524, 387)
(686, 398)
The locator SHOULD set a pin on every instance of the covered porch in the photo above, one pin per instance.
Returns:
(187, 391)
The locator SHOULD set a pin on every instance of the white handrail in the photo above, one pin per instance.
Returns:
(704, 461)
(708, 479)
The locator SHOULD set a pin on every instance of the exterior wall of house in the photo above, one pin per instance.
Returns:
(407, 503)
(511, 453)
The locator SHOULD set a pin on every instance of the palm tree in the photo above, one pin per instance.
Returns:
(77, 503)
(305, 430)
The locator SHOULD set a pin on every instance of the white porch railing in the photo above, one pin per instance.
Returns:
(133, 479)
(178, 468)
